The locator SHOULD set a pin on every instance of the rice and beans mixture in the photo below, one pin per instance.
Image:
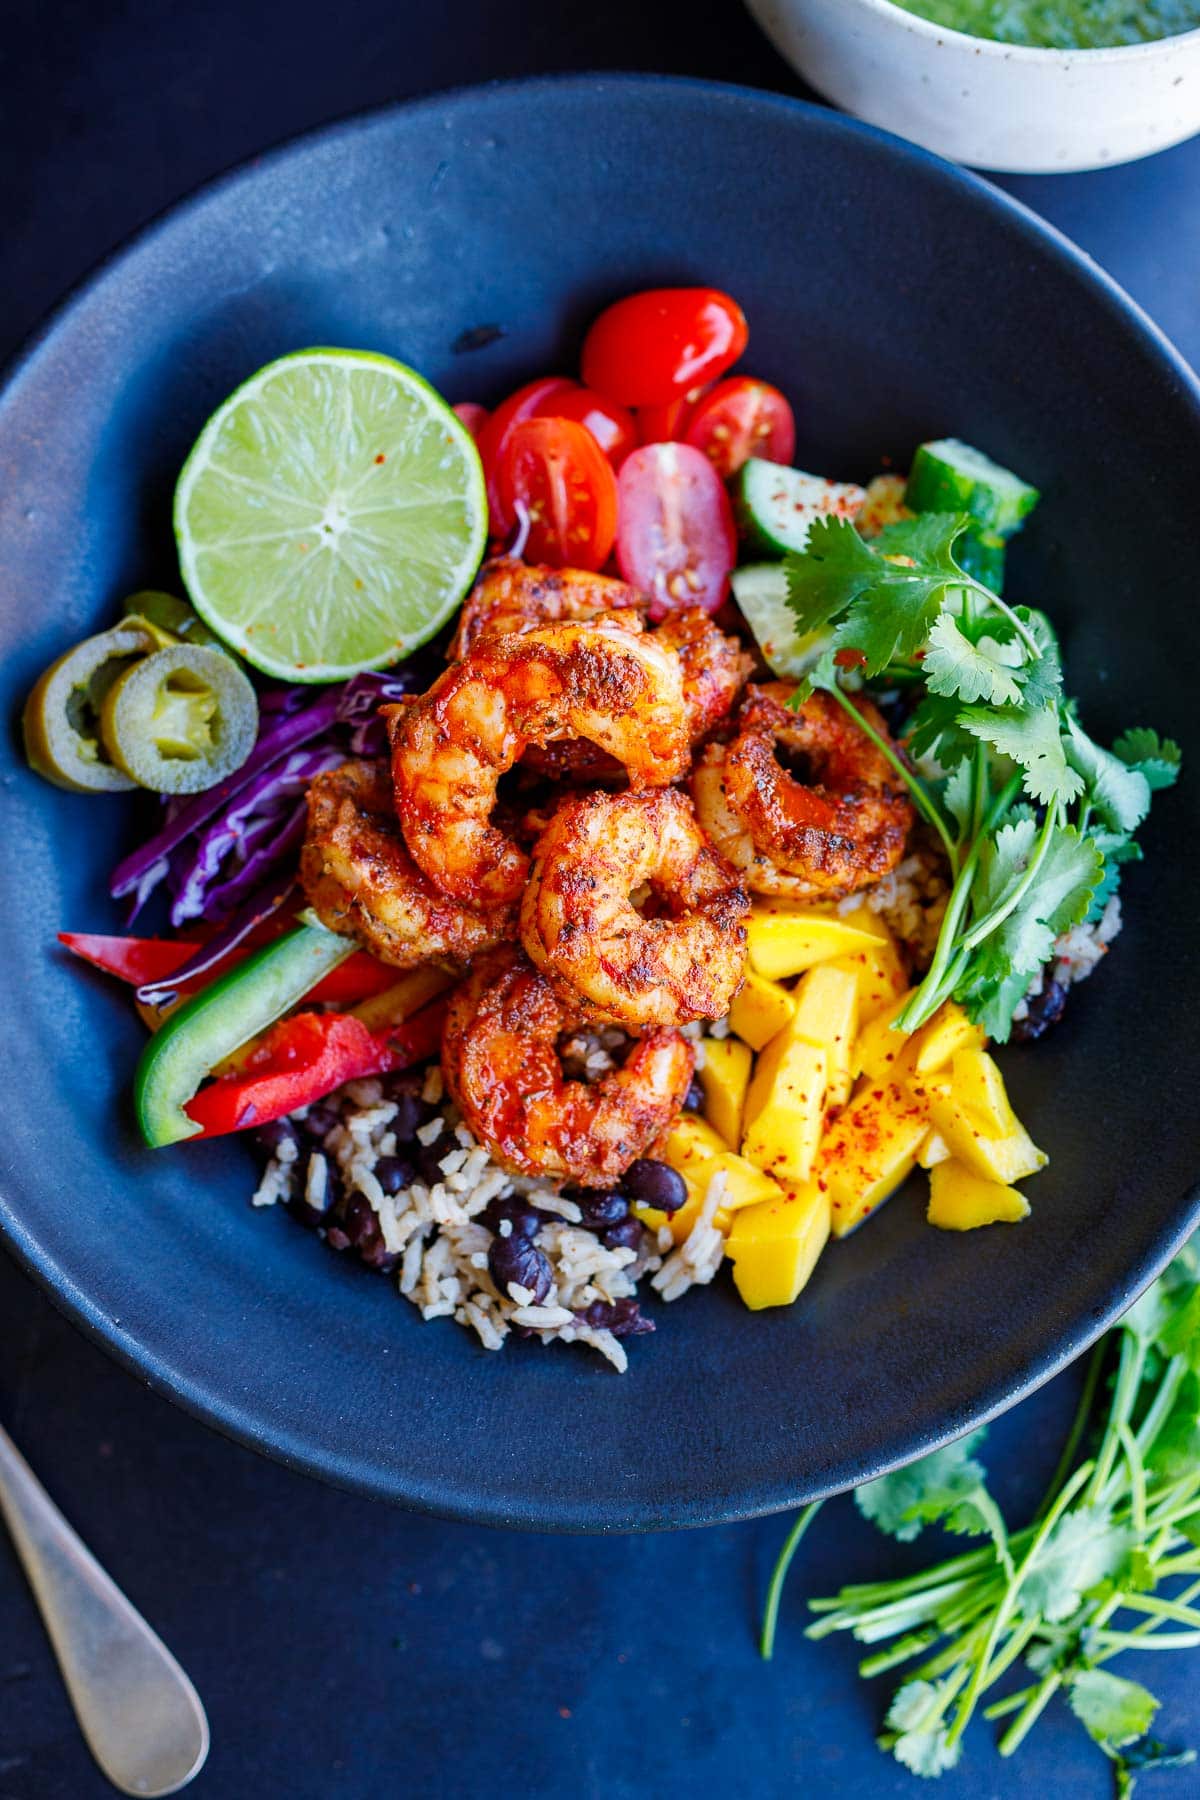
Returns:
(387, 1170)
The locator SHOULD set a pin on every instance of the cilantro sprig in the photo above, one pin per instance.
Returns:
(1110, 1563)
(1035, 817)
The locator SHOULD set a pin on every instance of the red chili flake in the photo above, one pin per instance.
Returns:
(381, 457)
(564, 1712)
(850, 659)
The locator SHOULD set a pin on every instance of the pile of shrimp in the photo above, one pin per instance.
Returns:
(574, 816)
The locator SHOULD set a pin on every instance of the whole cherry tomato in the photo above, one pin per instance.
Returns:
(676, 539)
(742, 418)
(558, 472)
(470, 414)
(611, 425)
(666, 424)
(652, 347)
(518, 406)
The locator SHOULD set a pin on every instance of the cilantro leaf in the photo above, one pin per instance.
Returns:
(946, 1485)
(1117, 849)
(1083, 1548)
(1057, 898)
(1120, 794)
(1033, 741)
(915, 1733)
(934, 731)
(1175, 1452)
(957, 796)
(1041, 677)
(1156, 758)
(886, 608)
(974, 671)
(1116, 1711)
(991, 999)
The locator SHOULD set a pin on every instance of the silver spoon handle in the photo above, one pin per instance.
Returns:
(141, 1716)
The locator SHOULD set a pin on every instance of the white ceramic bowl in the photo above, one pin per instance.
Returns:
(995, 106)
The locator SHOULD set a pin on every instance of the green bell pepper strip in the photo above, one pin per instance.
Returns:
(222, 1017)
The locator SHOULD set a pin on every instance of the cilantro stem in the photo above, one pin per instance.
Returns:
(986, 594)
(1163, 1401)
(1137, 1477)
(923, 800)
(1030, 1713)
(912, 1645)
(766, 1643)
(1129, 1375)
(1079, 1425)
(1162, 1609)
(992, 920)
(979, 1679)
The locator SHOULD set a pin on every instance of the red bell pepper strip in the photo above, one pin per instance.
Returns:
(305, 1057)
(140, 960)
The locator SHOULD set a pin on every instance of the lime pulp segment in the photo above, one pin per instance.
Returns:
(331, 515)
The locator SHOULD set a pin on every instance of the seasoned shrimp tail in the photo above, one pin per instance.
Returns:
(683, 959)
(501, 1064)
(361, 881)
(619, 690)
(838, 825)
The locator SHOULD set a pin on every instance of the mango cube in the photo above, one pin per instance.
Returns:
(948, 1032)
(826, 1015)
(933, 1151)
(960, 1200)
(880, 975)
(785, 1107)
(868, 1151)
(865, 918)
(978, 1086)
(785, 939)
(725, 1076)
(1004, 1156)
(760, 1010)
(698, 1153)
(774, 1247)
(882, 1054)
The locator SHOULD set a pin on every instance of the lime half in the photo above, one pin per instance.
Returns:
(331, 515)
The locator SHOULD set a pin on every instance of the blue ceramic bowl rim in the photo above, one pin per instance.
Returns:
(222, 1411)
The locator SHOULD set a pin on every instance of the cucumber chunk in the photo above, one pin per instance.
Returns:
(760, 590)
(981, 554)
(776, 506)
(950, 476)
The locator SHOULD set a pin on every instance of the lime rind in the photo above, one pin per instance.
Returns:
(331, 515)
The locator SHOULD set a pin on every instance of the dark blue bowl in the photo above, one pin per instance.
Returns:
(895, 298)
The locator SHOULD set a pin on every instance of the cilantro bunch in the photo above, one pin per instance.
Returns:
(1071, 1590)
(1035, 817)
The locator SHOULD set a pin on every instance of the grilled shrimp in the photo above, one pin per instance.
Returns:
(580, 927)
(450, 746)
(838, 827)
(510, 595)
(513, 596)
(501, 1063)
(360, 880)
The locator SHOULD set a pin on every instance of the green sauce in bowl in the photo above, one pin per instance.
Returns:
(1062, 24)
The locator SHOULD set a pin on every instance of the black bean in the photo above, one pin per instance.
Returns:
(360, 1225)
(394, 1173)
(428, 1157)
(654, 1184)
(518, 1259)
(693, 1100)
(599, 1209)
(511, 1208)
(277, 1132)
(1044, 1010)
(624, 1318)
(411, 1113)
(625, 1236)
(320, 1120)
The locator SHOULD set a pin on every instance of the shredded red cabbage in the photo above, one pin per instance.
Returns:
(252, 912)
(358, 708)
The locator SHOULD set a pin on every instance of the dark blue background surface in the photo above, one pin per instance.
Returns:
(344, 1649)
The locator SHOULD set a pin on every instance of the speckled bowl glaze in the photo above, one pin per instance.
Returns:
(402, 232)
(994, 106)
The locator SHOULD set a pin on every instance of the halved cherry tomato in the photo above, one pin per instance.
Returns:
(742, 418)
(472, 415)
(611, 425)
(493, 433)
(666, 424)
(676, 540)
(651, 347)
(558, 471)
